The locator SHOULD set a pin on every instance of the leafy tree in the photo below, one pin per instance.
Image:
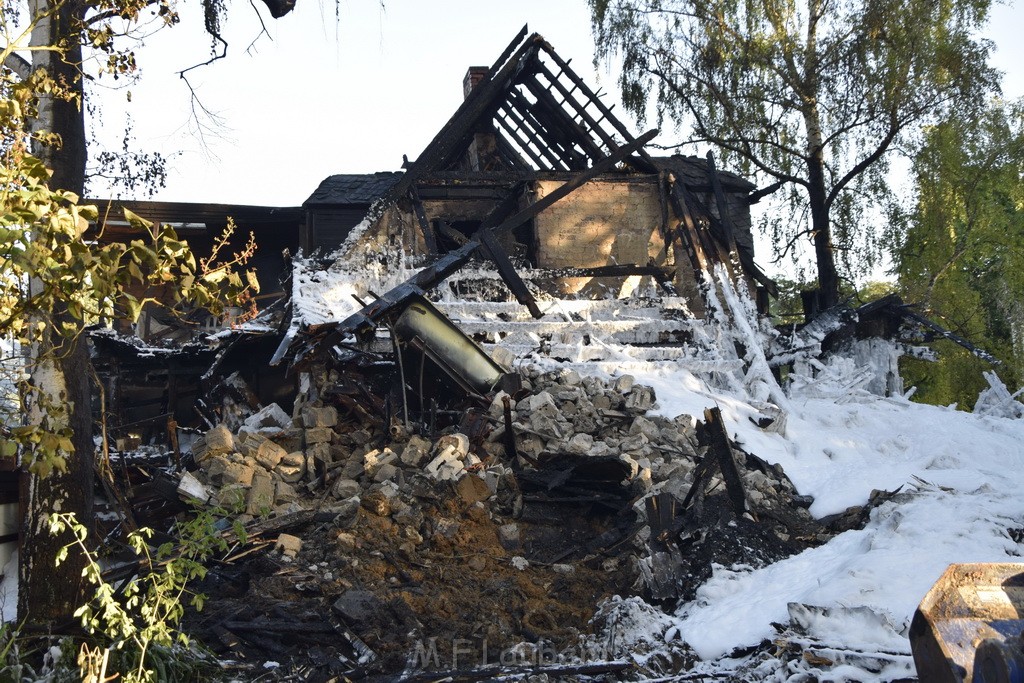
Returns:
(961, 252)
(810, 95)
(52, 281)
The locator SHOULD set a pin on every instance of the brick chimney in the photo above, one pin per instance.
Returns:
(474, 75)
(482, 153)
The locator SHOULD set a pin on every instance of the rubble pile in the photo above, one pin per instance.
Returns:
(404, 550)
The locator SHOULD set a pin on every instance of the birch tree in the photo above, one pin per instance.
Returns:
(52, 282)
(810, 96)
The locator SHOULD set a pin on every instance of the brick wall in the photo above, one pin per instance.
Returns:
(599, 224)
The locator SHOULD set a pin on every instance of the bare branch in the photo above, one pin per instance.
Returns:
(18, 65)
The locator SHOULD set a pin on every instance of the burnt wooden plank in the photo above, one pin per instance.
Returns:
(523, 118)
(508, 123)
(642, 161)
(559, 124)
(429, 239)
(718, 443)
(508, 273)
(582, 112)
(723, 210)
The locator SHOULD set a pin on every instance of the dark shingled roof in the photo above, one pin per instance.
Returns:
(353, 188)
(694, 171)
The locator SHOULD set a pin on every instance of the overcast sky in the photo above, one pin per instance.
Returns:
(347, 89)
(321, 95)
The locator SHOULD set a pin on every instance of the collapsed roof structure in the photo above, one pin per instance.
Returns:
(535, 173)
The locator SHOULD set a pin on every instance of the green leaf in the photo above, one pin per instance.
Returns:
(136, 221)
(254, 284)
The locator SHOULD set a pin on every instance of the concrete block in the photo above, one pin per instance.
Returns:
(260, 499)
(319, 416)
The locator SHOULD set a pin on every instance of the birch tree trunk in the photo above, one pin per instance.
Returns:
(59, 368)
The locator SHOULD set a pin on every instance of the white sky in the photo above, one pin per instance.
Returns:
(324, 96)
(351, 94)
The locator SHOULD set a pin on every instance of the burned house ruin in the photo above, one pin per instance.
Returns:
(434, 427)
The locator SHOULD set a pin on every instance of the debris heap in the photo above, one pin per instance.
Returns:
(499, 538)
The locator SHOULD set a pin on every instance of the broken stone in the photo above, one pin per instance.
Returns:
(472, 489)
(347, 542)
(288, 545)
(270, 417)
(291, 468)
(345, 488)
(529, 444)
(548, 425)
(237, 473)
(570, 378)
(508, 536)
(249, 442)
(385, 472)
(284, 492)
(342, 510)
(624, 383)
(497, 407)
(415, 451)
(640, 399)
(290, 439)
(320, 452)
(458, 443)
(540, 404)
(191, 487)
(318, 435)
(446, 527)
(359, 608)
(642, 425)
(580, 444)
(261, 494)
(232, 498)
(503, 357)
(269, 454)
(314, 416)
(353, 467)
(377, 503)
(218, 440)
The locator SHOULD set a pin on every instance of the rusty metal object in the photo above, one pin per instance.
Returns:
(968, 627)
